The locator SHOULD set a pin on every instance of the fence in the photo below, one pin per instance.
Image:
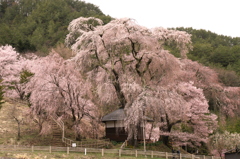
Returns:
(103, 143)
(117, 152)
(84, 143)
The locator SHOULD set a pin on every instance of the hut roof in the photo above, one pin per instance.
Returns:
(118, 115)
(236, 150)
(115, 115)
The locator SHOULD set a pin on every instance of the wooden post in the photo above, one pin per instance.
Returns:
(212, 157)
(102, 152)
(136, 153)
(144, 140)
(85, 152)
(119, 152)
(63, 135)
(180, 156)
(32, 148)
(192, 156)
(50, 149)
(67, 150)
(166, 155)
(204, 157)
(152, 154)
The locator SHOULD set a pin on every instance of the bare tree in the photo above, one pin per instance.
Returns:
(16, 116)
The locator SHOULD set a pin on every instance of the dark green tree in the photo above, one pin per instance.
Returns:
(217, 51)
(19, 86)
(222, 55)
(38, 25)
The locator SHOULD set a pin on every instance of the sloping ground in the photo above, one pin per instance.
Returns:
(8, 126)
(29, 132)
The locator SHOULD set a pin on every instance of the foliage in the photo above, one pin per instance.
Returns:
(24, 76)
(228, 77)
(217, 51)
(20, 85)
(233, 125)
(13, 71)
(128, 66)
(9, 65)
(122, 64)
(63, 51)
(221, 99)
(221, 142)
(57, 89)
(37, 25)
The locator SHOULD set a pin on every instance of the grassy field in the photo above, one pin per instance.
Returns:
(58, 155)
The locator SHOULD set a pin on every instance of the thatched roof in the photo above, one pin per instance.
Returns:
(118, 115)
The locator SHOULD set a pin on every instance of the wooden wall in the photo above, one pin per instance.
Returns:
(119, 134)
(232, 156)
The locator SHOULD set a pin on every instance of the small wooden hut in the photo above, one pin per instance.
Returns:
(233, 154)
(114, 126)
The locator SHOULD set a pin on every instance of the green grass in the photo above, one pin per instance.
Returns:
(58, 155)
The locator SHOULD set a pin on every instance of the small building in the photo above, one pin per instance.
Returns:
(233, 154)
(114, 126)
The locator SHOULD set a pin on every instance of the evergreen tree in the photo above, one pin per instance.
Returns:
(37, 25)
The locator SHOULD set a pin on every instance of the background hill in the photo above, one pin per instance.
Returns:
(219, 52)
(37, 25)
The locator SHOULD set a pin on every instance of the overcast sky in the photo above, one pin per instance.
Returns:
(219, 16)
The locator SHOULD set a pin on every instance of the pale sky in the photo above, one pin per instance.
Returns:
(218, 16)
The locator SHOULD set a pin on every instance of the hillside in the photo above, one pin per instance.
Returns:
(38, 25)
(29, 133)
(219, 52)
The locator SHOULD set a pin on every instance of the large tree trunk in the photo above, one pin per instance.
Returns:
(167, 128)
(165, 140)
(133, 142)
(78, 136)
(40, 127)
(150, 133)
(118, 89)
(78, 133)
